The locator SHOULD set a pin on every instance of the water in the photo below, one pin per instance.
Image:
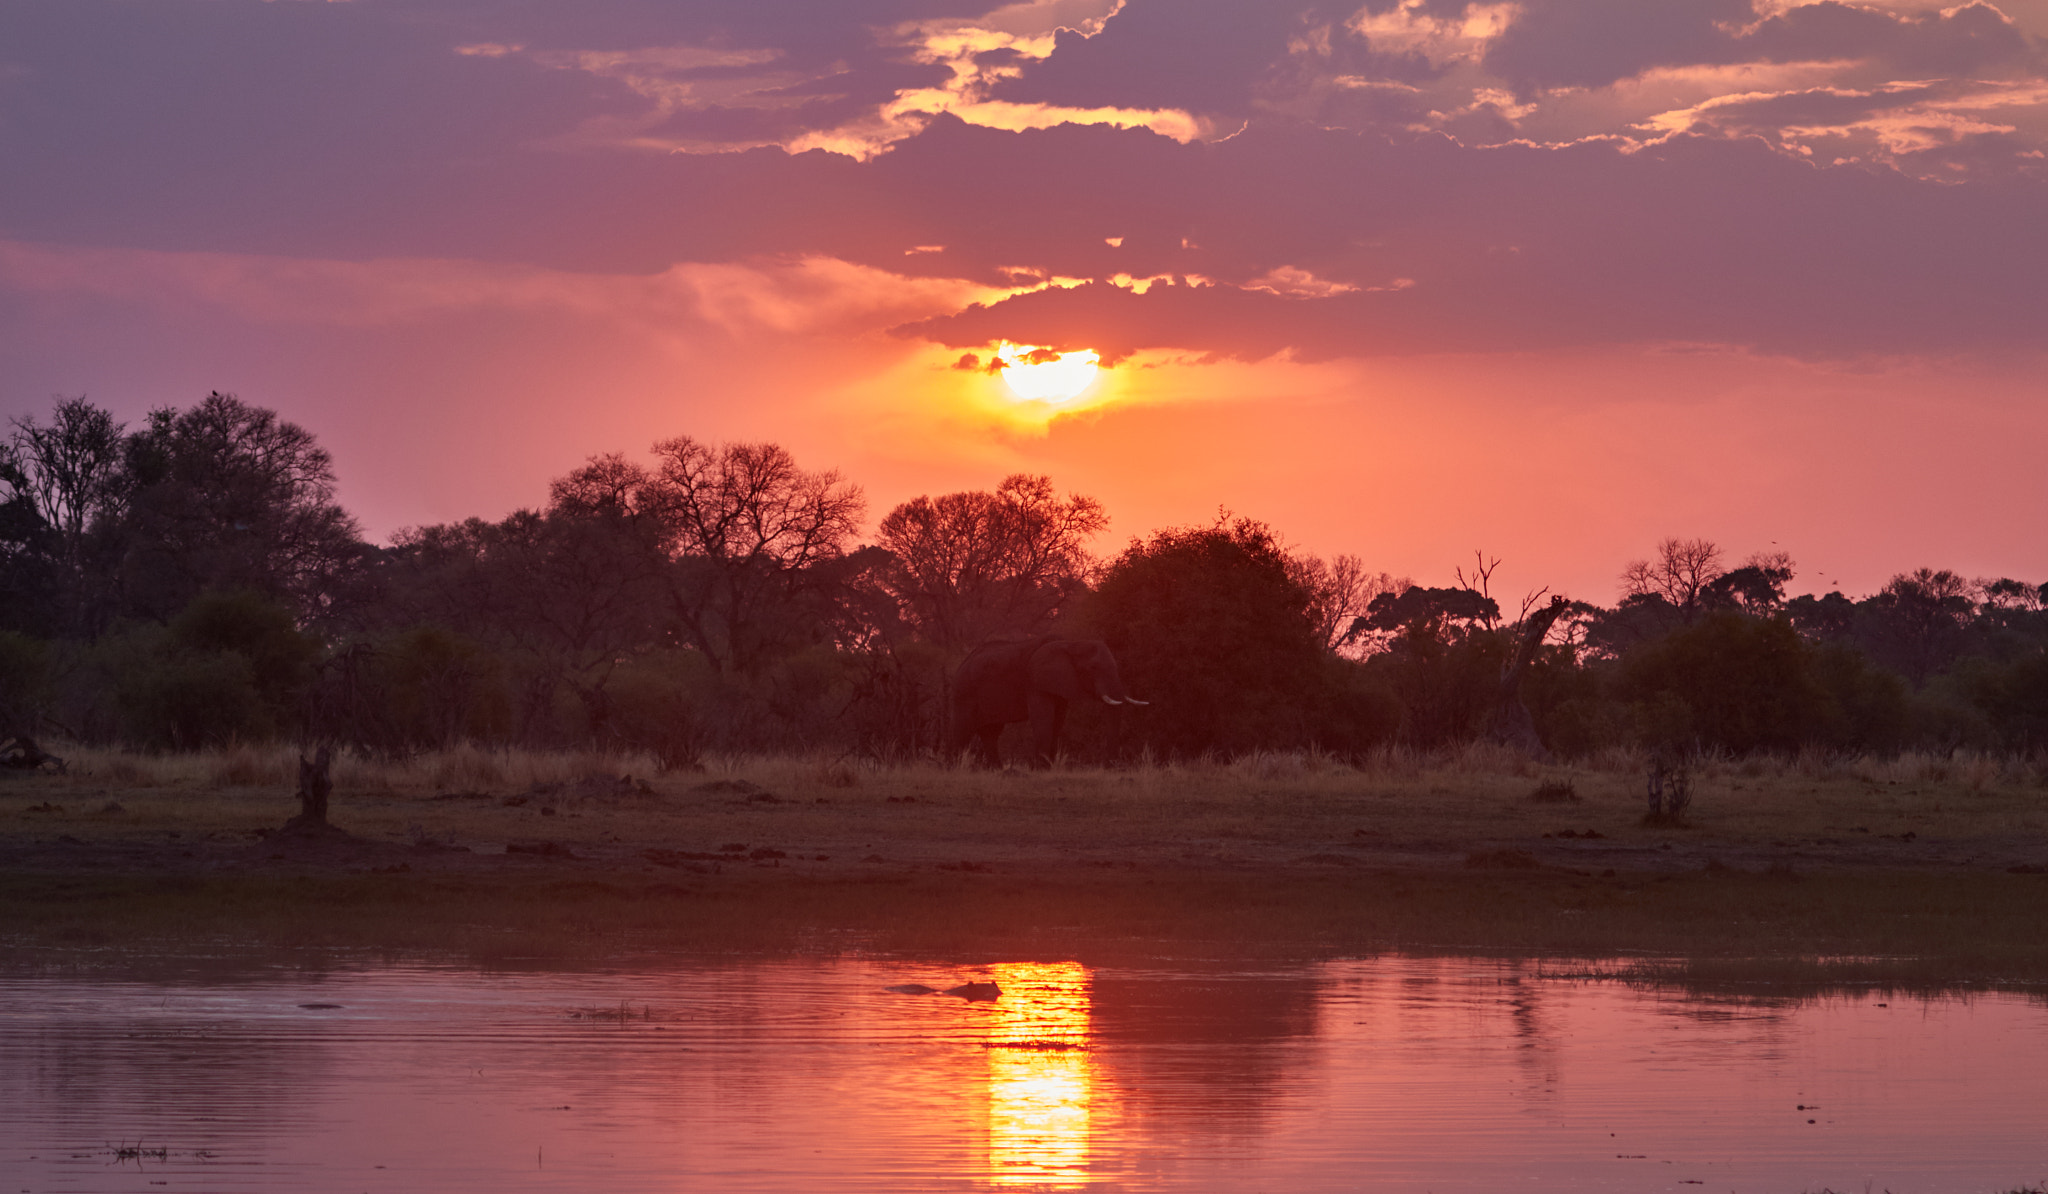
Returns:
(1390, 1074)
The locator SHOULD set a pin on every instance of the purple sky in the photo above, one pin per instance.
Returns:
(1555, 279)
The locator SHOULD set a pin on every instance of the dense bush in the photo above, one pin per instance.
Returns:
(1211, 626)
(1728, 681)
(2012, 697)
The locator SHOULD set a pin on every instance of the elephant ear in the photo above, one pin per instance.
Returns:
(1053, 671)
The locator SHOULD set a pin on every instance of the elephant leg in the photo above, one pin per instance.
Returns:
(987, 739)
(1048, 714)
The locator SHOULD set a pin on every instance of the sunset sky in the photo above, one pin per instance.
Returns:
(1553, 279)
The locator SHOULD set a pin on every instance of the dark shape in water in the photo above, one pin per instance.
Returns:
(973, 992)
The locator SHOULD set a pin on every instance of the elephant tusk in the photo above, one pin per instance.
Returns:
(1110, 700)
(1135, 701)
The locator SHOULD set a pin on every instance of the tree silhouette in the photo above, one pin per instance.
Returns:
(972, 565)
(737, 530)
(1919, 619)
(69, 472)
(1211, 624)
(229, 496)
(1682, 569)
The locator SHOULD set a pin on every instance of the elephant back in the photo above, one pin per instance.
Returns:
(993, 683)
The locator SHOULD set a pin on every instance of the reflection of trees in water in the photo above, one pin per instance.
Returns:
(1448, 1006)
(191, 1082)
(1219, 1046)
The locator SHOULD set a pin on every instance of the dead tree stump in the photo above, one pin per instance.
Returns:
(315, 785)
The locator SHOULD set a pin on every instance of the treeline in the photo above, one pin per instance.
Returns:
(192, 582)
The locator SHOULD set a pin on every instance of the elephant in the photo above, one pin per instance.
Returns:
(999, 683)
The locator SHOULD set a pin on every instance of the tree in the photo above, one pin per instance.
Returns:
(1742, 684)
(568, 594)
(64, 480)
(229, 496)
(1444, 614)
(1758, 587)
(737, 530)
(1919, 619)
(1213, 627)
(30, 591)
(1830, 617)
(969, 566)
(1682, 569)
(1342, 592)
(73, 464)
(1441, 658)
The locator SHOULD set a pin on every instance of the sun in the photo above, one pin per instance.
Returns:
(1042, 375)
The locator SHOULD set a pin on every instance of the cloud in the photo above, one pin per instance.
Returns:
(1963, 40)
(1306, 159)
(1594, 43)
(1698, 240)
(1289, 281)
(1941, 129)
(1591, 43)
(794, 296)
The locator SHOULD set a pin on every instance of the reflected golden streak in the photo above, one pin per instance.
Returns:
(1041, 1077)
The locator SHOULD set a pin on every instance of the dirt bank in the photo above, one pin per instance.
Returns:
(1935, 874)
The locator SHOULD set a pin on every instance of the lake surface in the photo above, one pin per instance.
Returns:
(1388, 1074)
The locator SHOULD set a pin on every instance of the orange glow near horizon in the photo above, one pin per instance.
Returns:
(1041, 1077)
(1042, 375)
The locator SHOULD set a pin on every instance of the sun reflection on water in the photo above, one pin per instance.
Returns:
(1041, 1076)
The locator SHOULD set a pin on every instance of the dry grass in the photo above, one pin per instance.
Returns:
(1283, 797)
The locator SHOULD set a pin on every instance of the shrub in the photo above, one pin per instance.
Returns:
(1730, 681)
(1211, 626)
(25, 683)
(189, 701)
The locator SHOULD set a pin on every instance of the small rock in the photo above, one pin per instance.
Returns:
(541, 849)
(728, 787)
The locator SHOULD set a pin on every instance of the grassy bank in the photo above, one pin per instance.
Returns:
(1913, 870)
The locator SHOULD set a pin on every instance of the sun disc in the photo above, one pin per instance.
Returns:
(1042, 375)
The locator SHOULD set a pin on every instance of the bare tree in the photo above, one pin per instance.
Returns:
(1683, 568)
(72, 464)
(970, 565)
(69, 473)
(1343, 591)
(737, 530)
